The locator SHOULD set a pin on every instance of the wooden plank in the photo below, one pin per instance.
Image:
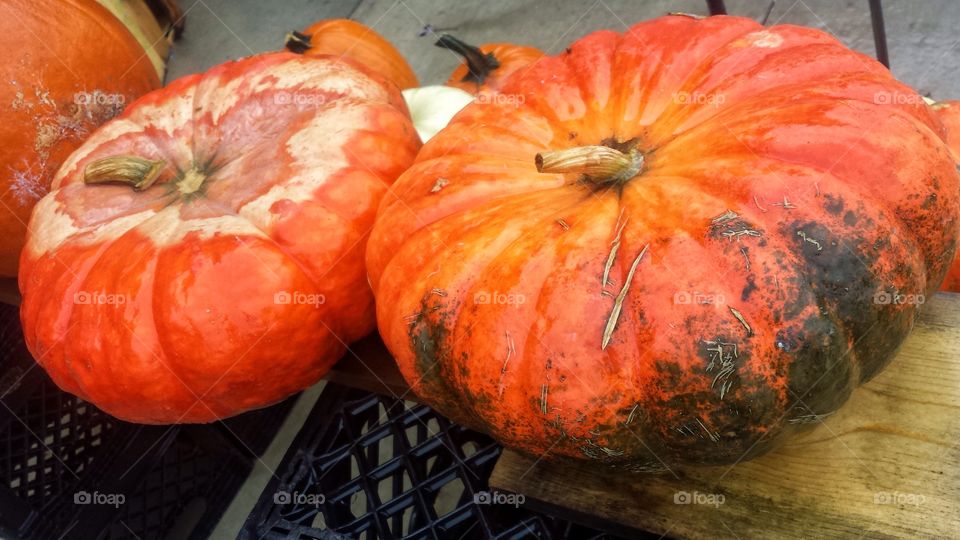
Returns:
(886, 465)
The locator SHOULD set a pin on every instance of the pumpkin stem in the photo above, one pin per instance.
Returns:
(297, 42)
(601, 162)
(135, 171)
(191, 181)
(479, 65)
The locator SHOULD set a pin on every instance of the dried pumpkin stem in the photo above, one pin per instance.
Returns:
(297, 42)
(135, 171)
(603, 162)
(479, 64)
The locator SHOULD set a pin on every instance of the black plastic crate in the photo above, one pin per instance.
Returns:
(369, 466)
(57, 451)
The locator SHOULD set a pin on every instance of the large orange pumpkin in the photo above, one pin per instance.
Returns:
(202, 254)
(70, 66)
(487, 68)
(355, 41)
(949, 114)
(726, 235)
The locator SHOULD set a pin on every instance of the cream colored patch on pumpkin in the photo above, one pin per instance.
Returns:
(57, 227)
(317, 152)
(765, 39)
(307, 77)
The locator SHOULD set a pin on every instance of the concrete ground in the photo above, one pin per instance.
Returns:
(922, 39)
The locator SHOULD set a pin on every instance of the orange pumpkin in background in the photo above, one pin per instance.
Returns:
(203, 254)
(486, 68)
(71, 66)
(680, 247)
(358, 42)
(949, 113)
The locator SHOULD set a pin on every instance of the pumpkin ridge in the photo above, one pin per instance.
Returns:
(653, 83)
(529, 386)
(724, 86)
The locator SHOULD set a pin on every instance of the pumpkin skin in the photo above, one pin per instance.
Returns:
(357, 42)
(485, 69)
(949, 113)
(84, 48)
(765, 230)
(168, 305)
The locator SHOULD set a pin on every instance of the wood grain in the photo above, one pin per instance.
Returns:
(887, 465)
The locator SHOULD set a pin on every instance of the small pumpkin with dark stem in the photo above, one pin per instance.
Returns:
(681, 246)
(358, 42)
(488, 67)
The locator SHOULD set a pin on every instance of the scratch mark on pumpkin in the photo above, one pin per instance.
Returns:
(589, 451)
(713, 436)
(633, 413)
(732, 231)
(439, 292)
(756, 202)
(724, 217)
(813, 241)
(614, 247)
(563, 224)
(439, 184)
(724, 354)
(544, 390)
(503, 370)
(740, 318)
(786, 205)
(618, 302)
(743, 250)
(611, 452)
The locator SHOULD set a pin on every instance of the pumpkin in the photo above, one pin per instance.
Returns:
(949, 114)
(685, 244)
(72, 66)
(486, 68)
(355, 41)
(432, 107)
(202, 254)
